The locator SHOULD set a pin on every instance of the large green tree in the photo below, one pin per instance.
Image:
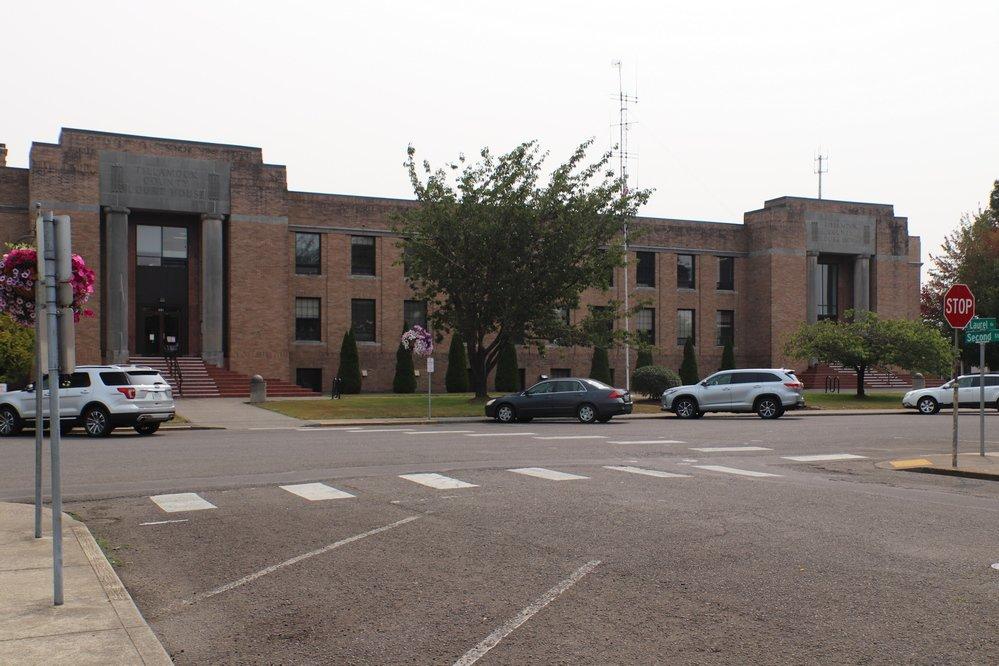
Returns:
(17, 351)
(499, 250)
(864, 340)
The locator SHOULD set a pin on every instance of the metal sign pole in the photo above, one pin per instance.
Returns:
(54, 421)
(39, 363)
(981, 398)
(953, 456)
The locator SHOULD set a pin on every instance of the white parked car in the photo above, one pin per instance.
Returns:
(930, 400)
(767, 391)
(98, 397)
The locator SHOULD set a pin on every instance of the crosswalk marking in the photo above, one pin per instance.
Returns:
(825, 456)
(549, 474)
(647, 472)
(438, 481)
(437, 432)
(733, 470)
(316, 491)
(573, 437)
(648, 441)
(175, 502)
(723, 449)
(499, 434)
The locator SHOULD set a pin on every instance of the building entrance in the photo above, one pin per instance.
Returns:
(160, 327)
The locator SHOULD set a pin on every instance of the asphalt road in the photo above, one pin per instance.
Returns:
(833, 561)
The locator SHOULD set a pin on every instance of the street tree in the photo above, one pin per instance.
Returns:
(499, 250)
(864, 341)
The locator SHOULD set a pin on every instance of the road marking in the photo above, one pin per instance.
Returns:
(913, 462)
(316, 491)
(648, 441)
(437, 432)
(549, 474)
(181, 502)
(504, 630)
(298, 558)
(825, 456)
(358, 430)
(499, 434)
(647, 472)
(733, 470)
(724, 449)
(438, 481)
(164, 522)
(573, 437)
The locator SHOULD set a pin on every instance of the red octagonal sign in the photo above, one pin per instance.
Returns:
(959, 305)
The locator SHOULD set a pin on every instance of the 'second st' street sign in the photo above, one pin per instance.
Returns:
(982, 337)
(959, 305)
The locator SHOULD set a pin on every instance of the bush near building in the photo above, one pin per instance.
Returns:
(688, 368)
(728, 357)
(507, 377)
(652, 380)
(600, 365)
(644, 358)
(456, 378)
(349, 371)
(405, 374)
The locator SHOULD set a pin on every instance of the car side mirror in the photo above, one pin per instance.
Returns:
(704, 383)
(30, 388)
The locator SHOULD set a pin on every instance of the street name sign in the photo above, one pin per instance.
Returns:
(959, 305)
(981, 325)
(981, 337)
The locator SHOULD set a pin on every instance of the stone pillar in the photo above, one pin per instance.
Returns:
(116, 278)
(862, 283)
(212, 289)
(813, 285)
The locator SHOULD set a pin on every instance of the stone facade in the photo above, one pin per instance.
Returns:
(242, 285)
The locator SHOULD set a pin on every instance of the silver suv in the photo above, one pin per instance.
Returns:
(98, 397)
(766, 391)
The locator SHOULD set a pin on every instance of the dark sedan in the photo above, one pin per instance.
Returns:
(586, 399)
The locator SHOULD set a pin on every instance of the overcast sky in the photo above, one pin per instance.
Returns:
(734, 97)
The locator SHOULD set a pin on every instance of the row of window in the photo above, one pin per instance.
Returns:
(308, 318)
(686, 271)
(645, 325)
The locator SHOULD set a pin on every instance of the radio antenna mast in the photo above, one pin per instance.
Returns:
(822, 166)
(624, 125)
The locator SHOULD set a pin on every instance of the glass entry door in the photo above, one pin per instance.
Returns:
(160, 326)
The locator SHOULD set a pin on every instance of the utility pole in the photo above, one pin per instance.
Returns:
(823, 167)
(624, 125)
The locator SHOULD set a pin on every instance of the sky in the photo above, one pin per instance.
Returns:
(734, 98)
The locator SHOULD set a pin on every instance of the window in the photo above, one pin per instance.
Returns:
(645, 324)
(969, 382)
(115, 379)
(725, 327)
(414, 313)
(726, 273)
(685, 271)
(308, 254)
(684, 326)
(991, 381)
(561, 372)
(828, 291)
(721, 379)
(362, 255)
(160, 246)
(541, 388)
(310, 378)
(307, 321)
(362, 319)
(645, 269)
(567, 387)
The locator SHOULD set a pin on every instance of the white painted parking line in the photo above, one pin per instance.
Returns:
(438, 481)
(727, 449)
(733, 470)
(438, 432)
(573, 437)
(181, 502)
(499, 434)
(165, 522)
(648, 441)
(825, 456)
(316, 491)
(549, 474)
(501, 632)
(298, 558)
(366, 430)
(647, 472)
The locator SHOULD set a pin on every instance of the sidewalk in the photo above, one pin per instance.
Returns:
(98, 624)
(232, 414)
(972, 465)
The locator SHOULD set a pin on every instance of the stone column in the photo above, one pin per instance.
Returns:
(212, 289)
(813, 285)
(862, 283)
(116, 278)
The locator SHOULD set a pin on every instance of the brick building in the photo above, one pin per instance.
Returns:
(204, 244)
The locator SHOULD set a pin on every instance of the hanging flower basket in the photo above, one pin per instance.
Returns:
(419, 341)
(18, 273)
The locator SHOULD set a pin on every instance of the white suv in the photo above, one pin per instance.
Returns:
(930, 400)
(98, 397)
(766, 391)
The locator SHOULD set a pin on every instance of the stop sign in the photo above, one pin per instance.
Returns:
(959, 305)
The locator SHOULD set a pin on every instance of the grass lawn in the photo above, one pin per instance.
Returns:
(849, 400)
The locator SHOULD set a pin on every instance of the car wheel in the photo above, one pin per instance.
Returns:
(97, 421)
(10, 423)
(768, 408)
(505, 414)
(586, 413)
(686, 408)
(147, 428)
(927, 405)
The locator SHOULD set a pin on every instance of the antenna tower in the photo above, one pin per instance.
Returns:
(624, 125)
(822, 162)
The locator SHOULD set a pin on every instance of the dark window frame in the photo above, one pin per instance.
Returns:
(308, 328)
(688, 282)
(645, 269)
(720, 327)
(309, 267)
(681, 340)
(648, 334)
(361, 334)
(360, 261)
(406, 304)
(726, 277)
(828, 305)
(317, 373)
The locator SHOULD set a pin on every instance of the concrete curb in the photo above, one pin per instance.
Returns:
(970, 465)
